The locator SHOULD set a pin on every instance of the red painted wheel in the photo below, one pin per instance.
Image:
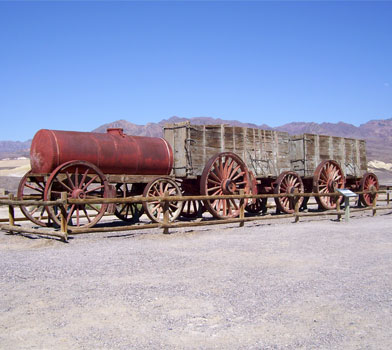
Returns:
(224, 174)
(34, 188)
(255, 205)
(80, 180)
(157, 188)
(369, 182)
(288, 182)
(328, 177)
(129, 212)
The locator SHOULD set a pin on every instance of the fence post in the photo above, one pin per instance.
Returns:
(388, 195)
(11, 211)
(296, 207)
(242, 208)
(63, 216)
(165, 207)
(346, 208)
(338, 210)
(374, 203)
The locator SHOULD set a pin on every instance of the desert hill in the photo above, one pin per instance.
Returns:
(377, 133)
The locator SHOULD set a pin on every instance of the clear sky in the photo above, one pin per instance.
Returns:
(77, 65)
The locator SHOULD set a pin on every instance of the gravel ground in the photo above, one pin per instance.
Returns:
(317, 284)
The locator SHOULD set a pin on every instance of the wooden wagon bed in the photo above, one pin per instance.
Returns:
(308, 150)
(265, 152)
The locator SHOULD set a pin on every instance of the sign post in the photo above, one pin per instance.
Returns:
(347, 194)
(388, 192)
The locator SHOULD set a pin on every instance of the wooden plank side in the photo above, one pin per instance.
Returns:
(282, 145)
(197, 148)
(362, 157)
(176, 135)
(349, 153)
(297, 156)
(311, 153)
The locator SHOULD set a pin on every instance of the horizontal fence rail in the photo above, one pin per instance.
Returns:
(65, 229)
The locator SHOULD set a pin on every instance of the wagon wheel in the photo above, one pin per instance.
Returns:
(157, 188)
(224, 174)
(129, 212)
(194, 208)
(34, 188)
(288, 182)
(369, 182)
(328, 177)
(80, 180)
(255, 205)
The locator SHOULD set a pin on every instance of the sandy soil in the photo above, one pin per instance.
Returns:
(312, 285)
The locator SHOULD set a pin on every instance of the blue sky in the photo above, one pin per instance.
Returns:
(78, 65)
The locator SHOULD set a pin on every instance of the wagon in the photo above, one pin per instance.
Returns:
(276, 163)
(326, 163)
(189, 160)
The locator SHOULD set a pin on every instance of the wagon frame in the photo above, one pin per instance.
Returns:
(207, 160)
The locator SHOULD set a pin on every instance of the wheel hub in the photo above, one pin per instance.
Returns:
(290, 189)
(78, 194)
(228, 187)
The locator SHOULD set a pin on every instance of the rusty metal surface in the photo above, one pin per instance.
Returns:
(113, 152)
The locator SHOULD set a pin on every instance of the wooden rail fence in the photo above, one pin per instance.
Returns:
(166, 225)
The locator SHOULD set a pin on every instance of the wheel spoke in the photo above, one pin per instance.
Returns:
(64, 185)
(235, 172)
(86, 213)
(77, 177)
(238, 175)
(69, 216)
(94, 207)
(34, 188)
(234, 203)
(70, 180)
(83, 178)
(94, 189)
(213, 181)
(90, 182)
(212, 174)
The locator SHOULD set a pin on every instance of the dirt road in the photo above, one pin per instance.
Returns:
(310, 285)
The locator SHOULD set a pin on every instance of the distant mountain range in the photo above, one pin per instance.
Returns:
(377, 133)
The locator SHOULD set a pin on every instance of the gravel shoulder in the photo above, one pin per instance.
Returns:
(317, 284)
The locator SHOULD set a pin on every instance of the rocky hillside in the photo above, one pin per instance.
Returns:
(377, 133)
(14, 149)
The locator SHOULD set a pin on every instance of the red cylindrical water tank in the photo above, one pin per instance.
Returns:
(113, 152)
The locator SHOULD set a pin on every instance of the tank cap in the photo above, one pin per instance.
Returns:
(115, 131)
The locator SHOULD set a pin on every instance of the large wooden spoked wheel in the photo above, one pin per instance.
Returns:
(224, 174)
(288, 182)
(129, 212)
(158, 188)
(80, 180)
(255, 205)
(32, 187)
(328, 177)
(369, 182)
